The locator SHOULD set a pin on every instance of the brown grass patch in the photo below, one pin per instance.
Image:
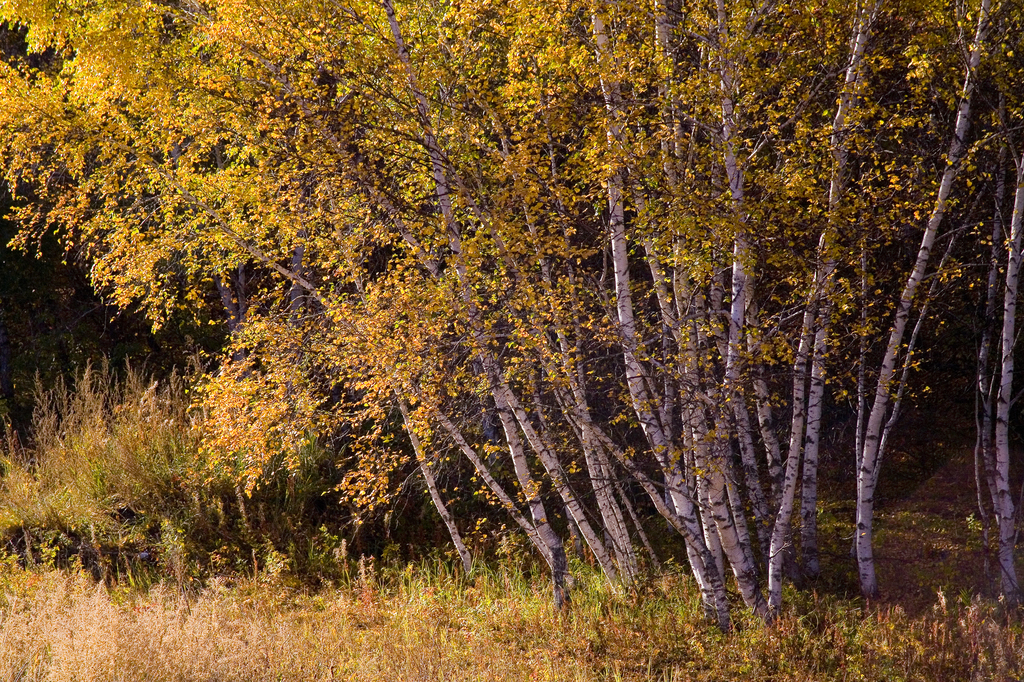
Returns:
(428, 624)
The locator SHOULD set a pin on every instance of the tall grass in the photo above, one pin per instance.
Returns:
(100, 446)
(114, 477)
(427, 622)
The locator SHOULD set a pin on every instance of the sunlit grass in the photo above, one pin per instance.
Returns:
(428, 622)
(103, 446)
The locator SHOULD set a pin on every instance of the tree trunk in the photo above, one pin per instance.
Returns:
(783, 519)
(809, 479)
(823, 288)
(984, 454)
(559, 571)
(426, 468)
(867, 474)
(507, 404)
(1002, 497)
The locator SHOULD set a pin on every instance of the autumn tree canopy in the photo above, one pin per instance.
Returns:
(600, 254)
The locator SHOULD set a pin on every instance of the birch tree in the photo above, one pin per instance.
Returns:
(867, 474)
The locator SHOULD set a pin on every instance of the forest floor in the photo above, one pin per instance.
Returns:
(931, 541)
(928, 530)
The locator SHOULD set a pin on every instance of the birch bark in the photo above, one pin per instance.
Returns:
(739, 556)
(426, 468)
(1001, 495)
(866, 474)
(984, 455)
(640, 398)
(823, 288)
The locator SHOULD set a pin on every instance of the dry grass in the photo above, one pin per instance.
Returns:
(428, 624)
(113, 476)
(101, 446)
(68, 628)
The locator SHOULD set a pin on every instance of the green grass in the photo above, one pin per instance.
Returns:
(115, 478)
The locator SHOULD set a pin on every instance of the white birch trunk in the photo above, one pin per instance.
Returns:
(639, 396)
(505, 397)
(866, 474)
(543, 536)
(495, 487)
(714, 462)
(751, 479)
(712, 537)
(531, 490)
(743, 569)
(651, 554)
(809, 476)
(984, 454)
(742, 418)
(684, 519)
(823, 288)
(766, 424)
(783, 519)
(1002, 497)
(426, 468)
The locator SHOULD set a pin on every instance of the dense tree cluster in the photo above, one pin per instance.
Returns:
(596, 253)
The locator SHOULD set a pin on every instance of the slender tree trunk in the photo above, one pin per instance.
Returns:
(712, 537)
(426, 468)
(766, 423)
(867, 474)
(823, 289)
(684, 520)
(554, 544)
(635, 376)
(744, 571)
(809, 478)
(752, 479)
(783, 519)
(862, 364)
(984, 454)
(651, 554)
(714, 461)
(503, 497)
(1002, 497)
(744, 431)
(603, 482)
(504, 397)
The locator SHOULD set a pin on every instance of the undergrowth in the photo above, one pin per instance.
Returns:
(114, 478)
